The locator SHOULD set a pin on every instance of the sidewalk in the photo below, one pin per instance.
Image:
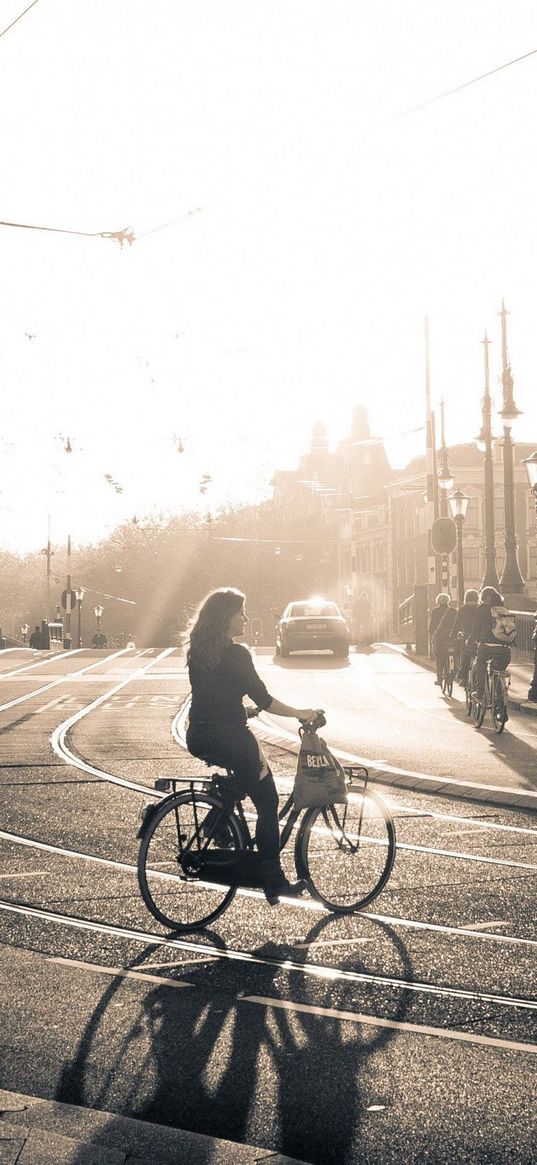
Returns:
(46, 1132)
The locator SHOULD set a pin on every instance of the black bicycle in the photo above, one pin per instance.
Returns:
(448, 670)
(196, 848)
(495, 697)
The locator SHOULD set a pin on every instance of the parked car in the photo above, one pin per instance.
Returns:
(311, 624)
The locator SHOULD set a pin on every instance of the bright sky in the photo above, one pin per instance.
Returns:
(329, 226)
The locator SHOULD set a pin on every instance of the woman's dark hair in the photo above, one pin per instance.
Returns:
(209, 634)
(471, 596)
(492, 596)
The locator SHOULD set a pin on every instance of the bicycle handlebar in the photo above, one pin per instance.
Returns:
(313, 725)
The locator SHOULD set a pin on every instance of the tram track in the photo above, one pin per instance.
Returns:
(308, 905)
(312, 970)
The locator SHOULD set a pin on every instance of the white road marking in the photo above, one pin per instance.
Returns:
(340, 1015)
(54, 683)
(117, 972)
(312, 970)
(27, 874)
(53, 704)
(393, 1024)
(486, 925)
(40, 663)
(334, 942)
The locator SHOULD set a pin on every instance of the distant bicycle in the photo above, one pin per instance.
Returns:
(448, 670)
(495, 697)
(196, 849)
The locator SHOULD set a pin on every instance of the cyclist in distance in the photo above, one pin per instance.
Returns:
(490, 624)
(221, 674)
(440, 631)
(463, 626)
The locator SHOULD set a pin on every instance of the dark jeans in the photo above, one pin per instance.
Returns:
(465, 661)
(237, 749)
(501, 656)
(440, 654)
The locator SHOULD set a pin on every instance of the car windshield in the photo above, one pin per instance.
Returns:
(312, 610)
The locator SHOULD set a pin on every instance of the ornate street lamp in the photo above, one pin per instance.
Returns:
(79, 597)
(484, 442)
(511, 582)
(531, 470)
(98, 612)
(24, 632)
(458, 504)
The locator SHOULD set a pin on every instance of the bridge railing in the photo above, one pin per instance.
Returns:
(525, 626)
(407, 625)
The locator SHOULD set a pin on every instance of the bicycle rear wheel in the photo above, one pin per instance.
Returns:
(346, 852)
(498, 707)
(172, 847)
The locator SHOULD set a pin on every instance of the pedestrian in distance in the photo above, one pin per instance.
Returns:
(221, 674)
(443, 616)
(493, 633)
(35, 638)
(463, 627)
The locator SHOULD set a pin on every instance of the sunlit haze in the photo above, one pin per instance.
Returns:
(326, 227)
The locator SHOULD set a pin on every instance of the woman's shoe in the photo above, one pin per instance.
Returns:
(276, 885)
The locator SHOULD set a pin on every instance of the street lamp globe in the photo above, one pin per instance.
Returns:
(445, 479)
(509, 413)
(458, 504)
(79, 594)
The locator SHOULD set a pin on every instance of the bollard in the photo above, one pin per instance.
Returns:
(532, 692)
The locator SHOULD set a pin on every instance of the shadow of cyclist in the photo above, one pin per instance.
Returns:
(513, 752)
(252, 1052)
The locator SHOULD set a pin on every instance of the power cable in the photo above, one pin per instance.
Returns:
(17, 18)
(457, 89)
(125, 235)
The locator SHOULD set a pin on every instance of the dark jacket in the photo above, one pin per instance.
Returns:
(441, 624)
(465, 619)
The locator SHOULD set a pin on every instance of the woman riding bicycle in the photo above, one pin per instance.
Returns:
(221, 674)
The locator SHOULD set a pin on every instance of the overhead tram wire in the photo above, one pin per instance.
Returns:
(125, 235)
(17, 18)
(456, 89)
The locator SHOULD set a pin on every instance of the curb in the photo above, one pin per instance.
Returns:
(49, 1130)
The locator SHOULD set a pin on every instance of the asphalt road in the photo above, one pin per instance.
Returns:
(405, 1033)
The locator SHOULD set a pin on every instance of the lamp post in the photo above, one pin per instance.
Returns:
(531, 470)
(24, 632)
(98, 612)
(445, 481)
(79, 597)
(484, 443)
(511, 582)
(458, 504)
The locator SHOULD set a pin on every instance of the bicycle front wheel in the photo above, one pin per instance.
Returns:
(346, 852)
(177, 837)
(478, 710)
(499, 707)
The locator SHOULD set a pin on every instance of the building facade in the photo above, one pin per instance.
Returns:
(367, 524)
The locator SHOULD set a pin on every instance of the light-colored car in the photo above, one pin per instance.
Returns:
(312, 625)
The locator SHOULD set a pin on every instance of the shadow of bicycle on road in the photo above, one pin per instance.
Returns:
(255, 1053)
